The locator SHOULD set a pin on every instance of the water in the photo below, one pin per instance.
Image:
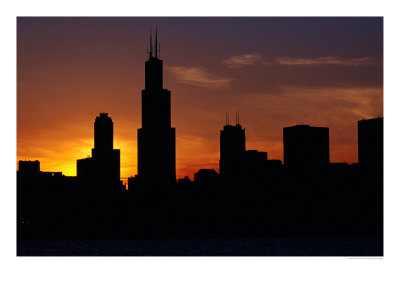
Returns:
(204, 247)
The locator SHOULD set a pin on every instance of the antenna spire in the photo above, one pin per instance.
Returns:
(156, 43)
(151, 45)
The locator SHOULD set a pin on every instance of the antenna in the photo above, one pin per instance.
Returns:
(156, 43)
(151, 45)
(238, 118)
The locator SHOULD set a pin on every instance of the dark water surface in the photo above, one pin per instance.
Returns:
(204, 247)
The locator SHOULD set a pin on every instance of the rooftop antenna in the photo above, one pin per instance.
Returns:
(156, 43)
(238, 119)
(151, 45)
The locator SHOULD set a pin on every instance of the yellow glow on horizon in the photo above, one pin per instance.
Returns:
(58, 146)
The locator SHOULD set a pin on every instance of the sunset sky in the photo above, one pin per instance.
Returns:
(276, 72)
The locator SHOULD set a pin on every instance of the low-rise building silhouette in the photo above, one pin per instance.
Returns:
(29, 167)
(255, 163)
(274, 164)
(134, 183)
(206, 176)
(185, 180)
(305, 147)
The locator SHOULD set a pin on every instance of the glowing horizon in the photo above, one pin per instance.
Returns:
(277, 72)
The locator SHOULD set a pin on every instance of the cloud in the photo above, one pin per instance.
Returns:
(198, 77)
(326, 60)
(244, 60)
(320, 105)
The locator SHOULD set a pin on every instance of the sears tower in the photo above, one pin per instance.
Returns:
(156, 138)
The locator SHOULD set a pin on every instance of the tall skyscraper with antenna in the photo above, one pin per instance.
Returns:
(156, 138)
(232, 148)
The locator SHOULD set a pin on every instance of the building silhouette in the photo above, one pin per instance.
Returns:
(156, 138)
(370, 143)
(104, 165)
(185, 181)
(305, 146)
(206, 176)
(255, 163)
(252, 197)
(237, 162)
(232, 149)
(29, 167)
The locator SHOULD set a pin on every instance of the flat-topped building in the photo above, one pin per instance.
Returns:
(305, 146)
(370, 142)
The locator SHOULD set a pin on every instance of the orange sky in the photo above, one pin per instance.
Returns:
(276, 72)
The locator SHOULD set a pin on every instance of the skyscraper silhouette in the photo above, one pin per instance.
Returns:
(370, 143)
(156, 138)
(105, 161)
(103, 134)
(232, 149)
(305, 146)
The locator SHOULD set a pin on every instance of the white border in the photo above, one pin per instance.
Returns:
(198, 278)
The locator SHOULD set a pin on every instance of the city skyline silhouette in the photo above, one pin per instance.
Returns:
(324, 85)
(250, 194)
